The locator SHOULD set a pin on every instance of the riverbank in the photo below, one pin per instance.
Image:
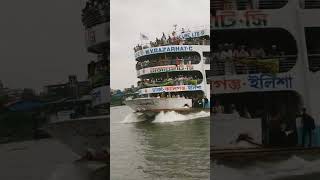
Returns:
(20, 126)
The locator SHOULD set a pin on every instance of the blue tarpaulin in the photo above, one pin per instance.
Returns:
(25, 105)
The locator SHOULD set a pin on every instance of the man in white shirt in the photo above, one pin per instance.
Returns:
(227, 57)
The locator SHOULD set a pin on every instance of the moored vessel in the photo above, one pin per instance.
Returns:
(82, 123)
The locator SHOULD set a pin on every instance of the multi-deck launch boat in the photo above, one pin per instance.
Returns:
(172, 72)
(87, 132)
(265, 69)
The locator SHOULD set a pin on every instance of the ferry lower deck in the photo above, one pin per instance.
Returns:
(269, 120)
(265, 154)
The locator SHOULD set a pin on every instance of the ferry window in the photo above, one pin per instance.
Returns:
(246, 4)
(206, 57)
(310, 4)
(247, 51)
(168, 59)
(171, 79)
(313, 47)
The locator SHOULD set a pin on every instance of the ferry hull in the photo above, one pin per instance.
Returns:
(159, 104)
(82, 135)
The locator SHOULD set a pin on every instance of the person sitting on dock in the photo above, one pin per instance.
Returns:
(307, 126)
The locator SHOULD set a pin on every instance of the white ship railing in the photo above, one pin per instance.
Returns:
(166, 62)
(280, 64)
(175, 83)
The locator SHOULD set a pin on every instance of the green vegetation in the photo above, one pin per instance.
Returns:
(116, 101)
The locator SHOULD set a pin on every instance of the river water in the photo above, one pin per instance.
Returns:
(45, 159)
(170, 146)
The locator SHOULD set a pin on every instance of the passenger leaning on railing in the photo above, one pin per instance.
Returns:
(228, 60)
(241, 54)
(257, 54)
(227, 57)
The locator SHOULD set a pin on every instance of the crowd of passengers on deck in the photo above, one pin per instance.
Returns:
(175, 80)
(173, 39)
(101, 66)
(178, 61)
(229, 57)
(95, 12)
(95, 4)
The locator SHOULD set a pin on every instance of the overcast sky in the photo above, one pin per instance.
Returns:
(129, 18)
(41, 42)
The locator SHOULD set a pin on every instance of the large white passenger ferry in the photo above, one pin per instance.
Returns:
(265, 69)
(172, 72)
(87, 132)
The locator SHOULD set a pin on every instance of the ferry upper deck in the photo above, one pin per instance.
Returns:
(174, 42)
(95, 18)
(259, 37)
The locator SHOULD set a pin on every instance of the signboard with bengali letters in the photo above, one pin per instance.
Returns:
(239, 19)
(252, 83)
(170, 89)
(168, 68)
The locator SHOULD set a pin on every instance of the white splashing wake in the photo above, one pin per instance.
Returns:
(172, 116)
(133, 118)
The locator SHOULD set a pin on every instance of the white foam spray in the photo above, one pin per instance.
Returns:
(133, 118)
(172, 116)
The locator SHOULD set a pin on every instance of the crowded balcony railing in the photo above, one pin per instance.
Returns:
(176, 38)
(172, 41)
(170, 81)
(310, 4)
(247, 4)
(98, 72)
(241, 60)
(196, 96)
(100, 79)
(314, 62)
(186, 60)
(252, 65)
(95, 12)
